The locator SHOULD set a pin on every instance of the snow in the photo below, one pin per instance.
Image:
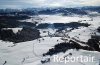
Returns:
(83, 33)
(47, 32)
(95, 21)
(61, 19)
(19, 53)
(75, 53)
(55, 19)
(30, 52)
(15, 30)
(33, 19)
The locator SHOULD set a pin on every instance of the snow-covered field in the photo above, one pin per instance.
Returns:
(75, 53)
(56, 19)
(26, 51)
(62, 19)
(30, 52)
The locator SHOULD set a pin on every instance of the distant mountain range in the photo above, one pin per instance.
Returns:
(50, 11)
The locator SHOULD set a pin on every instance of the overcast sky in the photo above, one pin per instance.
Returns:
(47, 3)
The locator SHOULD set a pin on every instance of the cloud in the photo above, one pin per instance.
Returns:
(91, 3)
(47, 3)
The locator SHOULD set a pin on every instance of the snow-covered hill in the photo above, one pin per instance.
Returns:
(30, 53)
(17, 54)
